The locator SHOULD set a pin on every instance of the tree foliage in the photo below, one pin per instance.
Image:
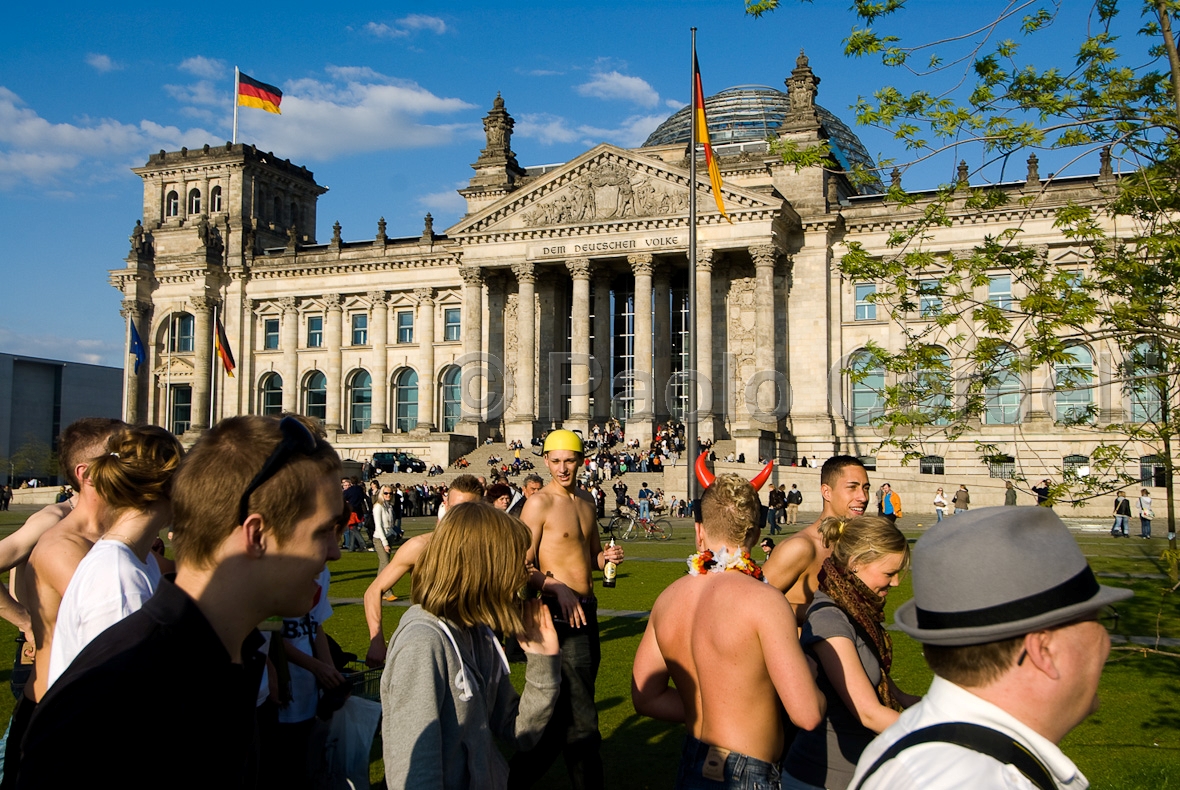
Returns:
(990, 92)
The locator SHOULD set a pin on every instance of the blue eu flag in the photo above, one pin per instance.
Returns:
(137, 348)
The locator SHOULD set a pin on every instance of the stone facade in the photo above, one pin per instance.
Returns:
(558, 300)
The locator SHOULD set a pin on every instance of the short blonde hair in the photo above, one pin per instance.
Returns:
(864, 539)
(730, 511)
(472, 571)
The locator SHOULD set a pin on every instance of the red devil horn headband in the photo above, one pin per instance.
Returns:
(706, 477)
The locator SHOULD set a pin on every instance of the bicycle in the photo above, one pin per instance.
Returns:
(627, 526)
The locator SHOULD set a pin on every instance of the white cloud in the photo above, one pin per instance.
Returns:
(368, 112)
(34, 150)
(675, 104)
(201, 66)
(102, 63)
(546, 128)
(403, 27)
(203, 93)
(540, 72)
(448, 203)
(631, 133)
(613, 85)
(69, 349)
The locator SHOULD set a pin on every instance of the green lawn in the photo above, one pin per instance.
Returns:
(1132, 742)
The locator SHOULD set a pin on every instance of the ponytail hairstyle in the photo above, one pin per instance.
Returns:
(137, 468)
(862, 540)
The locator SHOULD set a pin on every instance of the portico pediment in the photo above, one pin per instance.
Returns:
(611, 186)
(174, 367)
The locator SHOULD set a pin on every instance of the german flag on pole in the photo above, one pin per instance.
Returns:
(222, 344)
(698, 107)
(252, 93)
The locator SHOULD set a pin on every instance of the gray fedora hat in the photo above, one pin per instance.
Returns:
(996, 573)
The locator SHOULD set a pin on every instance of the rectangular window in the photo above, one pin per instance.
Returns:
(182, 408)
(405, 327)
(270, 334)
(315, 331)
(932, 465)
(451, 326)
(865, 309)
(929, 303)
(360, 329)
(999, 291)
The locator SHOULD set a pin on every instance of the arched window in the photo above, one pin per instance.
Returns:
(1002, 395)
(932, 465)
(360, 402)
(194, 201)
(172, 205)
(215, 199)
(867, 388)
(1071, 381)
(451, 394)
(180, 333)
(277, 216)
(1145, 383)
(1075, 465)
(315, 399)
(406, 400)
(272, 394)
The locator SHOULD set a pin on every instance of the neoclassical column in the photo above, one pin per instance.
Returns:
(139, 314)
(662, 338)
(425, 333)
(289, 342)
(704, 341)
(602, 338)
(472, 340)
(379, 335)
(579, 269)
(526, 340)
(765, 257)
(203, 360)
(641, 267)
(333, 333)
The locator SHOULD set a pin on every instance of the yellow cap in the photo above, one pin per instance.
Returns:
(563, 440)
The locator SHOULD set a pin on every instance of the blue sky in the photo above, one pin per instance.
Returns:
(383, 102)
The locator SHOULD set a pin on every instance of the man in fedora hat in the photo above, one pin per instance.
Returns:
(1008, 613)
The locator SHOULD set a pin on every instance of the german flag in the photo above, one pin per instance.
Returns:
(252, 93)
(702, 124)
(222, 344)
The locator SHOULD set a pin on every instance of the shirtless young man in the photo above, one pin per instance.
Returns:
(719, 636)
(54, 550)
(794, 566)
(565, 550)
(464, 488)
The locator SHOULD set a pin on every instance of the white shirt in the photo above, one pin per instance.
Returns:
(944, 766)
(300, 632)
(109, 584)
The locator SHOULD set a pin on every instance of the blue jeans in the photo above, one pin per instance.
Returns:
(1120, 526)
(643, 508)
(938, 512)
(1144, 527)
(740, 772)
(353, 540)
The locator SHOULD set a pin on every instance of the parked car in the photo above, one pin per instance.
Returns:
(404, 461)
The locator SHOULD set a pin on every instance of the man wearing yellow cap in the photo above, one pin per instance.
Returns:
(565, 549)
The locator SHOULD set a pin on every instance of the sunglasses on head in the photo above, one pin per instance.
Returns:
(297, 439)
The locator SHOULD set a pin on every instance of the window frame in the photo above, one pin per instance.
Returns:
(1000, 299)
(865, 310)
(316, 407)
(932, 465)
(270, 334)
(359, 322)
(360, 412)
(270, 395)
(405, 411)
(315, 336)
(456, 325)
(405, 326)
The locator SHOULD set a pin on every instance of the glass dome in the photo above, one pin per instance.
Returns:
(748, 113)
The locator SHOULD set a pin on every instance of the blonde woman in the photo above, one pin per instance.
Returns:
(446, 689)
(845, 632)
(940, 504)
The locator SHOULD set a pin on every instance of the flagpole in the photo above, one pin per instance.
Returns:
(213, 359)
(691, 406)
(127, 345)
(237, 87)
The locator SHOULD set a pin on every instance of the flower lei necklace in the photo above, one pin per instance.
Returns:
(708, 562)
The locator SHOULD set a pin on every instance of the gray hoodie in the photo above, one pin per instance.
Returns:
(445, 693)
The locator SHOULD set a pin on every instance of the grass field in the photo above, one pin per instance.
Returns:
(1132, 742)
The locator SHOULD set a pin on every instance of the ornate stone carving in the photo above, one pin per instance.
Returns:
(424, 295)
(336, 234)
(609, 191)
(963, 178)
(471, 275)
(1104, 168)
(641, 263)
(427, 228)
(381, 237)
(705, 258)
(895, 178)
(203, 303)
(377, 297)
(138, 244)
(333, 301)
(289, 304)
(525, 272)
(135, 308)
(579, 268)
(802, 87)
(1034, 175)
(764, 255)
(292, 239)
(742, 320)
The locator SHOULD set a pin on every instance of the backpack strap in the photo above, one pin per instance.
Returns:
(977, 738)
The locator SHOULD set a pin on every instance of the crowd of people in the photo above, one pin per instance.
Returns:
(780, 673)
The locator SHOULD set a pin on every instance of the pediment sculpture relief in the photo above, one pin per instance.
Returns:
(608, 192)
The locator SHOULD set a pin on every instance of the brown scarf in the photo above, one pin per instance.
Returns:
(867, 609)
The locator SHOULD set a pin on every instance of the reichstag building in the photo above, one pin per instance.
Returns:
(560, 298)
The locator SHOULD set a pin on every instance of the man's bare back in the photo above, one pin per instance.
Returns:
(14, 554)
(703, 633)
(41, 587)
